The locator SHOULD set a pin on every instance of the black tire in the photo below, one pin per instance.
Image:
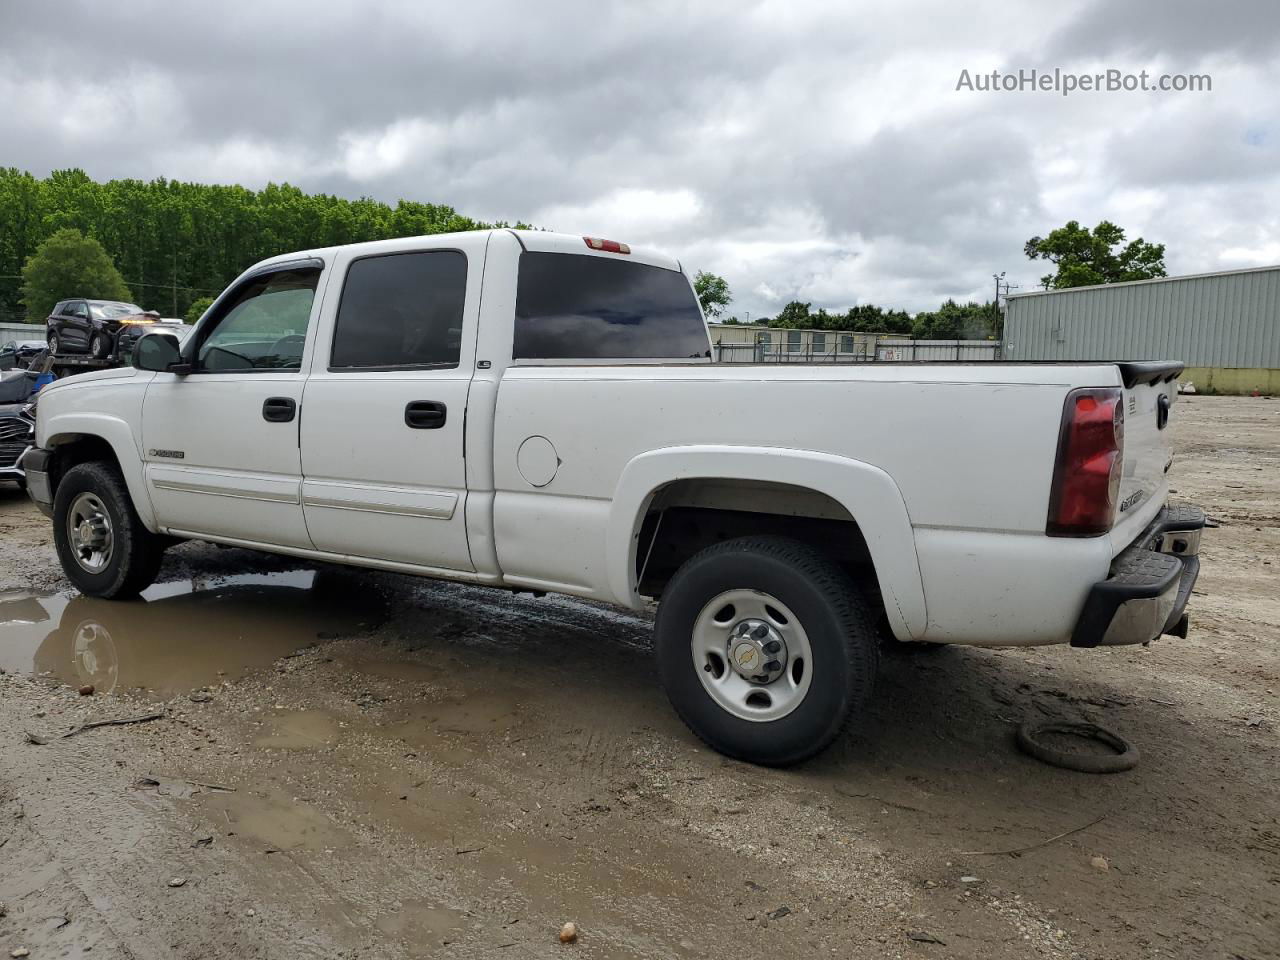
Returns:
(52, 340)
(1125, 757)
(136, 552)
(100, 345)
(839, 624)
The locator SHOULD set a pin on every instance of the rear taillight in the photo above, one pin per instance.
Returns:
(1086, 478)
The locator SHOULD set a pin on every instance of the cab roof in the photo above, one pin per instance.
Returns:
(541, 241)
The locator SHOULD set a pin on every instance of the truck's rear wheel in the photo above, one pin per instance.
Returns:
(766, 649)
(104, 548)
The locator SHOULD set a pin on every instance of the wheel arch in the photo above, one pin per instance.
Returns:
(82, 437)
(865, 493)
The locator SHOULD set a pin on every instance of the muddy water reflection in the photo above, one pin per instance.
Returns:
(183, 634)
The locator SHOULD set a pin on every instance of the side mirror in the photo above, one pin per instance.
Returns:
(159, 352)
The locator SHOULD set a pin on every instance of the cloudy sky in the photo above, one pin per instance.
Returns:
(814, 151)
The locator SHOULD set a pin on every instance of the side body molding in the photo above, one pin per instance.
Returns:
(865, 491)
(68, 427)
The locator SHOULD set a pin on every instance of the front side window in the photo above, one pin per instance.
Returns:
(401, 310)
(577, 307)
(76, 308)
(263, 326)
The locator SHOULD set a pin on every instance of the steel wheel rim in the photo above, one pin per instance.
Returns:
(718, 634)
(89, 532)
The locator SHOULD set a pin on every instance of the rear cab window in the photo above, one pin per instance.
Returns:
(401, 311)
(576, 307)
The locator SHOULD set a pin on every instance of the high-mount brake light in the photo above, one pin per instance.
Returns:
(1086, 477)
(608, 246)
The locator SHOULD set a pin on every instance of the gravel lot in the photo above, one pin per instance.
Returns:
(364, 765)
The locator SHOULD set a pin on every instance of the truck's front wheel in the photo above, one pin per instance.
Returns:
(104, 548)
(766, 648)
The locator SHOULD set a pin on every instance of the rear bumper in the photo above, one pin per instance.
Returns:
(1146, 593)
(35, 464)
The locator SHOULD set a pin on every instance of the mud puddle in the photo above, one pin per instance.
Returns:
(299, 730)
(271, 821)
(422, 922)
(182, 634)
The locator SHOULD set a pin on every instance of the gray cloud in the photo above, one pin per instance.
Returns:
(1188, 30)
(812, 151)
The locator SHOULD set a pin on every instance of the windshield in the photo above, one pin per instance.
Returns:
(109, 311)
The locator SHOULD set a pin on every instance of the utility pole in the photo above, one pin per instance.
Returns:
(175, 281)
(1002, 290)
(1002, 287)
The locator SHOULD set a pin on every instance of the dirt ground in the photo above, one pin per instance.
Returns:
(364, 765)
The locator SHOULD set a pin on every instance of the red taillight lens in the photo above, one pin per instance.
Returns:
(609, 246)
(1086, 478)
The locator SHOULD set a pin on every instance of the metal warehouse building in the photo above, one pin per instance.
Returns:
(1224, 326)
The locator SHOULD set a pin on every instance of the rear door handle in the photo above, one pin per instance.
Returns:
(425, 414)
(279, 409)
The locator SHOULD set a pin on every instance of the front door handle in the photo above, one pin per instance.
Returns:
(279, 409)
(425, 414)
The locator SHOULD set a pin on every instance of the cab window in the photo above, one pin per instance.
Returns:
(579, 307)
(401, 310)
(263, 326)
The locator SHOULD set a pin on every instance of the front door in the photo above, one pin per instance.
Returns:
(74, 328)
(382, 440)
(221, 443)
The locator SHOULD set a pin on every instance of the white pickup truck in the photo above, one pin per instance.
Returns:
(536, 411)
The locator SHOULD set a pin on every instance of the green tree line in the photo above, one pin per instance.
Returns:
(1080, 257)
(177, 242)
(951, 321)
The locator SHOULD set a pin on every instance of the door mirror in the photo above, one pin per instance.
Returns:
(159, 352)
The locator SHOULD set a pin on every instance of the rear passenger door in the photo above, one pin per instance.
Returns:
(384, 474)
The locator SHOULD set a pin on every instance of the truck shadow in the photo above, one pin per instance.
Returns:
(506, 686)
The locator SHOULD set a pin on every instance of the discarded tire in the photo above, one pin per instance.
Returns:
(1125, 757)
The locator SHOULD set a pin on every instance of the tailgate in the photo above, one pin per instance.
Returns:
(1150, 391)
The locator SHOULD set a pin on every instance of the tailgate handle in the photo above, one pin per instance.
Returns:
(425, 414)
(279, 409)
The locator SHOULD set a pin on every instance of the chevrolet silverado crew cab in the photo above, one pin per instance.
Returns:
(540, 412)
